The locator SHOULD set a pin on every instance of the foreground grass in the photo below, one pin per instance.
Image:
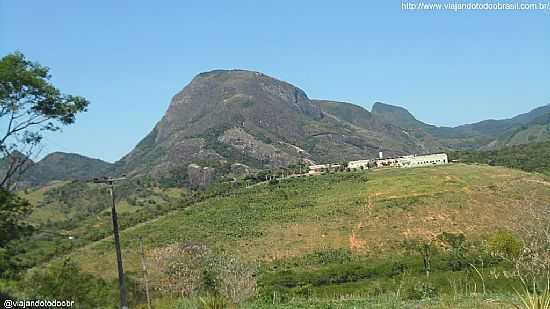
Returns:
(489, 301)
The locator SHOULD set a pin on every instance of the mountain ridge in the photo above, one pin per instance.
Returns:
(224, 117)
(61, 166)
(223, 114)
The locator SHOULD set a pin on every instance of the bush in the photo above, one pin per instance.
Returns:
(458, 258)
(504, 243)
(212, 302)
(235, 280)
(182, 264)
(337, 256)
(192, 270)
(65, 281)
(421, 291)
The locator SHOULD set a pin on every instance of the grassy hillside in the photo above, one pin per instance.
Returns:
(68, 215)
(62, 202)
(340, 234)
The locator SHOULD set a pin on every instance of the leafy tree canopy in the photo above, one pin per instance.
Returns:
(29, 105)
(13, 210)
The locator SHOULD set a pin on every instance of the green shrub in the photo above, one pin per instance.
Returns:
(421, 291)
(335, 256)
(212, 302)
(65, 281)
(505, 243)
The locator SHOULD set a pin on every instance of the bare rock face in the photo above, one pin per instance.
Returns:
(225, 117)
(238, 98)
(200, 176)
(216, 118)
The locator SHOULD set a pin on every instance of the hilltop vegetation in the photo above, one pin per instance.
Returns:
(533, 157)
(63, 166)
(68, 215)
(358, 235)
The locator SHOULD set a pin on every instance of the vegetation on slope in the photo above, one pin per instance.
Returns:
(533, 157)
(68, 215)
(338, 234)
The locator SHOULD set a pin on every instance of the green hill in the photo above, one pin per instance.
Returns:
(68, 215)
(57, 166)
(532, 157)
(344, 234)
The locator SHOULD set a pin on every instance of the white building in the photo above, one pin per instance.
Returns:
(405, 161)
(316, 169)
(423, 160)
(387, 162)
(358, 164)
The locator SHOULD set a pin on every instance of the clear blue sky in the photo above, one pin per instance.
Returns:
(130, 57)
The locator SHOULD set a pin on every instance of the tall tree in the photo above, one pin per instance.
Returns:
(29, 106)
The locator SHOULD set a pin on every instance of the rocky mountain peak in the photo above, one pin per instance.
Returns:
(234, 98)
(396, 115)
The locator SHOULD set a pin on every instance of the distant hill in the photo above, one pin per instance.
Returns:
(62, 166)
(497, 127)
(349, 112)
(527, 128)
(398, 116)
(501, 132)
(385, 120)
(533, 126)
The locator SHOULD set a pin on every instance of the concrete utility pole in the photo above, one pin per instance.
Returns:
(122, 286)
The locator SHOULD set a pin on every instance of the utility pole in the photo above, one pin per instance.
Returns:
(144, 266)
(122, 286)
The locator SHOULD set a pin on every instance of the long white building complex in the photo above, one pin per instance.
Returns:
(404, 161)
(414, 160)
(423, 160)
(358, 164)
